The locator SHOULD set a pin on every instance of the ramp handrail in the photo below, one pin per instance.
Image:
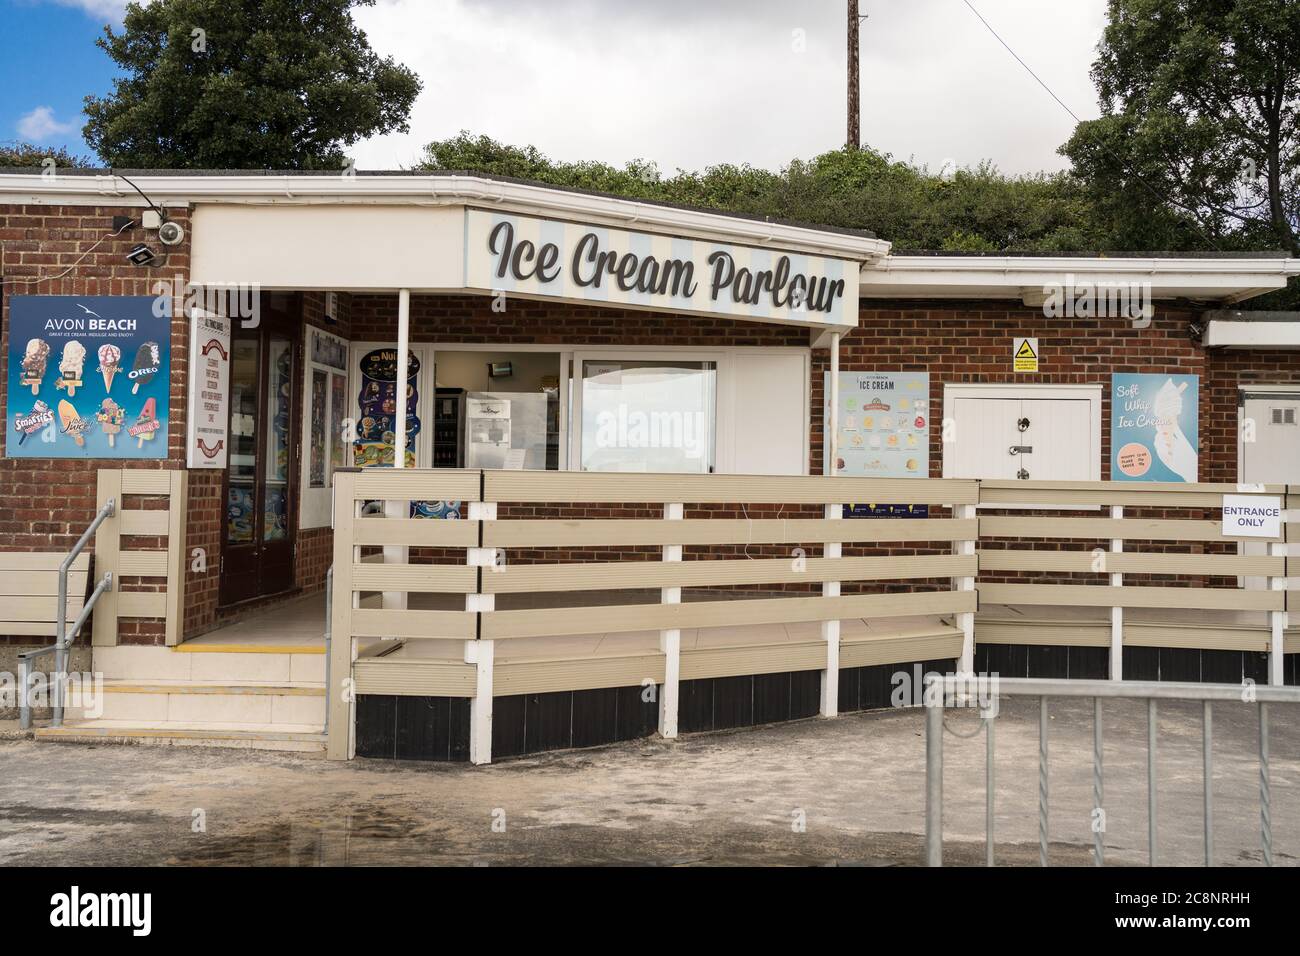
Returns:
(940, 689)
(61, 635)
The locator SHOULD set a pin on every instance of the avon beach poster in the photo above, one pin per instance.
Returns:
(88, 377)
(1154, 432)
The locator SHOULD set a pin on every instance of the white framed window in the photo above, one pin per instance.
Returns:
(1010, 431)
(681, 410)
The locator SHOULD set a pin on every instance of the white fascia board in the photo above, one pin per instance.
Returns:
(1023, 277)
(1244, 334)
(435, 190)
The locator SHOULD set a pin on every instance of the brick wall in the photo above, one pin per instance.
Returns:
(46, 504)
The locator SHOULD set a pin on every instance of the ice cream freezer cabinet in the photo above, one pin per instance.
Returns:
(88, 377)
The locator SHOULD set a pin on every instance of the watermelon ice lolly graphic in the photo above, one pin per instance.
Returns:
(146, 366)
(73, 424)
(110, 417)
(110, 357)
(146, 424)
(35, 356)
(71, 363)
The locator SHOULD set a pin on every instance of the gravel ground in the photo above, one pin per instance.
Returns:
(842, 792)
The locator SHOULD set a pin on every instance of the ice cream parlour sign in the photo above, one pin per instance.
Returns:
(88, 377)
(508, 253)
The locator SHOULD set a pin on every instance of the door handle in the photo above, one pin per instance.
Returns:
(1020, 450)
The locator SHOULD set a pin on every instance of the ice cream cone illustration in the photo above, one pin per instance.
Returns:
(110, 357)
(146, 365)
(146, 424)
(35, 356)
(110, 417)
(1172, 446)
(39, 417)
(73, 424)
(70, 365)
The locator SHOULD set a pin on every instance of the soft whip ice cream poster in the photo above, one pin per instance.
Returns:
(1154, 433)
(89, 377)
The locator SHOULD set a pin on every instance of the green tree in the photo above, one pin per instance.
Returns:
(19, 155)
(969, 210)
(1196, 146)
(244, 84)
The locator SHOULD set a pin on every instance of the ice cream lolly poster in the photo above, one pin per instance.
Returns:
(89, 377)
(884, 420)
(1153, 427)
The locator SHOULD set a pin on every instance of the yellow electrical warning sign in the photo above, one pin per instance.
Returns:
(1025, 356)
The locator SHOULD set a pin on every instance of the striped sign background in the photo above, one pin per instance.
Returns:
(481, 270)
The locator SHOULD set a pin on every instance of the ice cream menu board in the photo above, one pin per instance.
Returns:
(89, 377)
(1154, 433)
(884, 424)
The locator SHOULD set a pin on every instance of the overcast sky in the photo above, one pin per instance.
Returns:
(689, 83)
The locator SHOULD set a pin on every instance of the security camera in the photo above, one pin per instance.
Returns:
(170, 233)
(142, 255)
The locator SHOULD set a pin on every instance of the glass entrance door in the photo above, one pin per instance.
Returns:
(257, 546)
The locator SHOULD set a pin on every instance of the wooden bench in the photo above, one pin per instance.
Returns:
(29, 592)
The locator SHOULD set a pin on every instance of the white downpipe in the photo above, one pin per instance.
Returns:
(833, 418)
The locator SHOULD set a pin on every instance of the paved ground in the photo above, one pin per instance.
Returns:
(857, 783)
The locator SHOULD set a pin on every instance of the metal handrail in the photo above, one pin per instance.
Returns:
(61, 636)
(329, 633)
(941, 688)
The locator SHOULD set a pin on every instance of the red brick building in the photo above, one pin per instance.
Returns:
(596, 323)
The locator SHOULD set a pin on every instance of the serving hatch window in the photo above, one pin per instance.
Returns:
(655, 415)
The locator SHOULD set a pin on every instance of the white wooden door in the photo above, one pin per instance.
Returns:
(1272, 420)
(983, 431)
(1043, 439)
(1060, 433)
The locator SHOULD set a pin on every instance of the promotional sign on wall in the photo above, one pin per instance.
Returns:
(208, 420)
(1154, 427)
(884, 432)
(884, 424)
(89, 377)
(376, 427)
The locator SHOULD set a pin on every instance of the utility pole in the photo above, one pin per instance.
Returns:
(855, 112)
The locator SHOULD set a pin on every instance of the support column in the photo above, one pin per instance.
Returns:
(966, 619)
(482, 654)
(1116, 613)
(394, 554)
(670, 641)
(830, 695)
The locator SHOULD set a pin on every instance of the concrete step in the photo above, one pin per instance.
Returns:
(214, 663)
(213, 702)
(301, 738)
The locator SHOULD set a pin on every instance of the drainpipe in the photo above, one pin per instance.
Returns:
(833, 419)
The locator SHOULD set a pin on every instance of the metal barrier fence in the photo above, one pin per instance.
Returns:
(942, 690)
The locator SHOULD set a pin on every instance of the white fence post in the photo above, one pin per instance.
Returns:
(1116, 613)
(1278, 619)
(966, 619)
(670, 641)
(830, 690)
